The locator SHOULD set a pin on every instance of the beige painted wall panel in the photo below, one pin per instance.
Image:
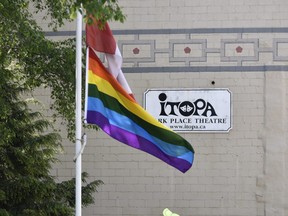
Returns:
(239, 173)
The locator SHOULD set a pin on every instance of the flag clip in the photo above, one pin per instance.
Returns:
(83, 144)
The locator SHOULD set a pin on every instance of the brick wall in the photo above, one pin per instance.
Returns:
(240, 45)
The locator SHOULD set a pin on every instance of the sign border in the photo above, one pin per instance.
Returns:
(195, 89)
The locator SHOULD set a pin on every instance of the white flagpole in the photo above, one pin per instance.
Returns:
(78, 121)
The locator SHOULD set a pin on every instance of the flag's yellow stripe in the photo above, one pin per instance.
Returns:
(104, 86)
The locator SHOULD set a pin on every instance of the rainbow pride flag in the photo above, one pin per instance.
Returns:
(118, 114)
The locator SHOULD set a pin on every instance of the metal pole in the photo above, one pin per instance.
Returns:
(78, 121)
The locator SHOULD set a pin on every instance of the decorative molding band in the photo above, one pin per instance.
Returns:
(195, 69)
(201, 50)
(179, 31)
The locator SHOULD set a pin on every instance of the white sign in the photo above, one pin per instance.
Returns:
(191, 110)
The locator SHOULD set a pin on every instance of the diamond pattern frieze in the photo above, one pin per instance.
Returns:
(213, 49)
(280, 49)
(187, 50)
(239, 50)
(210, 49)
(136, 51)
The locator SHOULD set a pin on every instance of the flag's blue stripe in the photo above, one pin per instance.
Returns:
(125, 123)
(136, 141)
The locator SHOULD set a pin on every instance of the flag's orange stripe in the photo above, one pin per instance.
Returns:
(96, 66)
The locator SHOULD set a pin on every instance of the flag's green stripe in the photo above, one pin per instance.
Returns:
(113, 104)
(107, 84)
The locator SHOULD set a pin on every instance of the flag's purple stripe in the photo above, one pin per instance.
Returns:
(127, 124)
(135, 141)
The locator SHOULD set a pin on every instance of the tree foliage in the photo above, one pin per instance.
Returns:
(61, 10)
(42, 62)
(28, 143)
(27, 150)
